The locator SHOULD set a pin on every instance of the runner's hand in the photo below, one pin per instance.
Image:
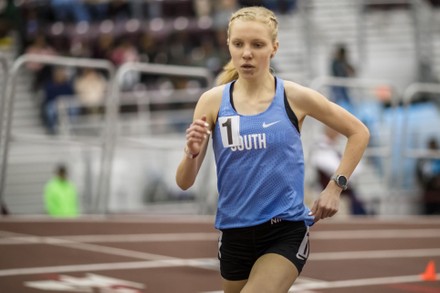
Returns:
(196, 134)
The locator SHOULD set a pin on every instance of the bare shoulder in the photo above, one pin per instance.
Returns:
(209, 104)
(292, 88)
(297, 91)
(212, 97)
(303, 99)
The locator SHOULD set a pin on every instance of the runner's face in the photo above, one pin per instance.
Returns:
(251, 47)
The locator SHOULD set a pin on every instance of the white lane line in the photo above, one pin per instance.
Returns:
(110, 250)
(383, 220)
(166, 219)
(199, 263)
(9, 238)
(376, 234)
(90, 247)
(357, 283)
(154, 237)
(123, 252)
(303, 286)
(369, 254)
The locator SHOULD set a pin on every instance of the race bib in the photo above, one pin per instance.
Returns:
(230, 130)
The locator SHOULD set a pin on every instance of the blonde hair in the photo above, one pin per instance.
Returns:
(253, 13)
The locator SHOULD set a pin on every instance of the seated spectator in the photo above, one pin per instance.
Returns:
(428, 175)
(147, 47)
(325, 158)
(90, 86)
(103, 46)
(124, 52)
(59, 85)
(41, 71)
(80, 48)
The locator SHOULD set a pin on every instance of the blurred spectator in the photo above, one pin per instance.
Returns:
(32, 22)
(60, 195)
(41, 71)
(341, 67)
(119, 10)
(428, 175)
(221, 38)
(206, 55)
(4, 209)
(244, 3)
(427, 75)
(222, 13)
(124, 52)
(10, 19)
(153, 9)
(202, 8)
(325, 158)
(59, 85)
(147, 48)
(98, 9)
(179, 48)
(103, 47)
(435, 3)
(280, 6)
(70, 10)
(80, 48)
(90, 86)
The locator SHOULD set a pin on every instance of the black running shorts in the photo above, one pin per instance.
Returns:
(239, 248)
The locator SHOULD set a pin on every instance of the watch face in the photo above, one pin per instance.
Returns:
(342, 180)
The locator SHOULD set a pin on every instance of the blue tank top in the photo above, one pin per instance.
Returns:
(260, 165)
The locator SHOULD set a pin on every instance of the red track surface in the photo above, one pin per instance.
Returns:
(172, 254)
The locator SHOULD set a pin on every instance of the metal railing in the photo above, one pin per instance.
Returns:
(4, 68)
(110, 144)
(141, 100)
(8, 102)
(110, 136)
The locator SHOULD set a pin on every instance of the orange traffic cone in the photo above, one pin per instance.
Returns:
(429, 274)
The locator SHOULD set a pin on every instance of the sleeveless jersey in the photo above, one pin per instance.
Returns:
(260, 165)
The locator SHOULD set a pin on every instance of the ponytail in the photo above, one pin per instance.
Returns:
(228, 74)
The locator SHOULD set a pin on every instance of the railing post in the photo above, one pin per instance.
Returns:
(4, 67)
(8, 102)
(111, 134)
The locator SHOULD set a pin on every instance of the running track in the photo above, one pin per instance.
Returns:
(177, 254)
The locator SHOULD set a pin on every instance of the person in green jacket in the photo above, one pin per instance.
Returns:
(60, 195)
